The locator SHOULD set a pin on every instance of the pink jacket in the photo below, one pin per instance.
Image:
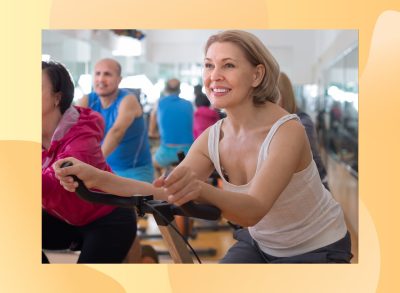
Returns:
(203, 118)
(77, 135)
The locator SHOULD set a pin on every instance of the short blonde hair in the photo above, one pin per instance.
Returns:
(256, 53)
(288, 99)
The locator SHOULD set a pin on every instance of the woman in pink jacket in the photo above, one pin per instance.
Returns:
(204, 116)
(104, 233)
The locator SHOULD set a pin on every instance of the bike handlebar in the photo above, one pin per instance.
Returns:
(189, 209)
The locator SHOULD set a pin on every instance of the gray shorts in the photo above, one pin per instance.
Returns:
(246, 250)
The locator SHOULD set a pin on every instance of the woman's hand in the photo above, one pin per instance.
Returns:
(88, 174)
(181, 185)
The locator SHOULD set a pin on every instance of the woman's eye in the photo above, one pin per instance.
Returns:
(229, 65)
(208, 65)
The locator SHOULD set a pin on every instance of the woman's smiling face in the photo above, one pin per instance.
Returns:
(229, 78)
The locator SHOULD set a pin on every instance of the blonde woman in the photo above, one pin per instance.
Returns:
(271, 183)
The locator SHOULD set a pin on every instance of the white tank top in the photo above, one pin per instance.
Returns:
(303, 218)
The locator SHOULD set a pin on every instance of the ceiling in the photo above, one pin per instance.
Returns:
(300, 53)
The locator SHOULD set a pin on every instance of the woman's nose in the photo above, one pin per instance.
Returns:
(215, 74)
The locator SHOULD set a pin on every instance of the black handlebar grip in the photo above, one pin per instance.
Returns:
(189, 209)
(181, 156)
(201, 211)
(103, 198)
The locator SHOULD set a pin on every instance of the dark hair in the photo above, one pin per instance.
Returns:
(198, 89)
(257, 54)
(202, 100)
(61, 82)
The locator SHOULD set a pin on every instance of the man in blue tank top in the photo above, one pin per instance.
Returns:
(125, 144)
(174, 118)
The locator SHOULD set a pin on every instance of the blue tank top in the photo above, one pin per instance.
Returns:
(175, 120)
(134, 149)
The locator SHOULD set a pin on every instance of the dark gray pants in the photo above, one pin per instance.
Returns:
(246, 250)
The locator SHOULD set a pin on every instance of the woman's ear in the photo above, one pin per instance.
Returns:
(258, 75)
(57, 99)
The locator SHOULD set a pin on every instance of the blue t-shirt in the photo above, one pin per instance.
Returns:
(134, 148)
(175, 120)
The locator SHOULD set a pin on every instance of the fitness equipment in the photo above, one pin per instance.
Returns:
(162, 211)
(186, 225)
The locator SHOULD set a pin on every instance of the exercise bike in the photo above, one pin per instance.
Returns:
(162, 211)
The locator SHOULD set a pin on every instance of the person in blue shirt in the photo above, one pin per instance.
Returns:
(125, 144)
(174, 118)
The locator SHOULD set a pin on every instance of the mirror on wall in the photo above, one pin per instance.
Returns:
(340, 114)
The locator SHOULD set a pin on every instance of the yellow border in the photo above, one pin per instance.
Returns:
(379, 35)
